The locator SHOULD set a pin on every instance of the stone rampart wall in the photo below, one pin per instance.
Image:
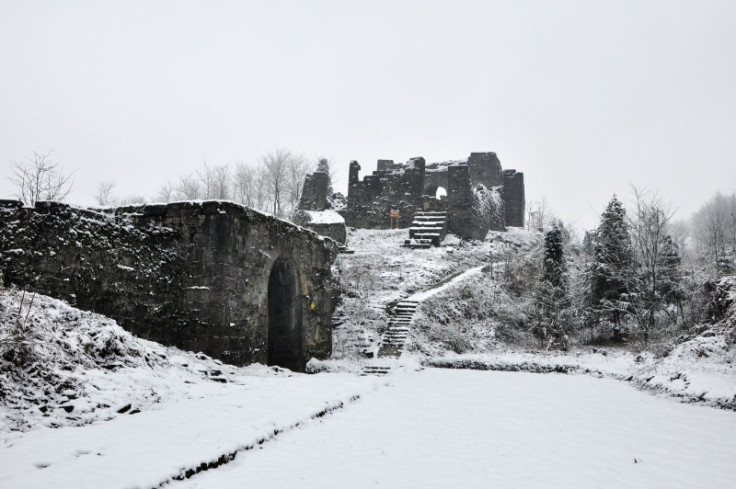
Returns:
(394, 187)
(191, 274)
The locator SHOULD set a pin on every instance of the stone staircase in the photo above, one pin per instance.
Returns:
(394, 338)
(428, 229)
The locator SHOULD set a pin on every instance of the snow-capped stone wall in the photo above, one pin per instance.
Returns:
(195, 275)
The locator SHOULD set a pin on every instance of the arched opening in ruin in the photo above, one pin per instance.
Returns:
(437, 191)
(284, 318)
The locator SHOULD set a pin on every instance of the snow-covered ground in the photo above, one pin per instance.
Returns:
(206, 425)
(448, 428)
(702, 370)
(89, 405)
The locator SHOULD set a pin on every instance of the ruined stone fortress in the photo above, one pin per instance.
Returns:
(233, 282)
(479, 196)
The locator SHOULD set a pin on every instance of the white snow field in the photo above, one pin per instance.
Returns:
(205, 422)
(469, 429)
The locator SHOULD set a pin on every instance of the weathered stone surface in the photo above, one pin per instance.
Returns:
(404, 187)
(395, 186)
(461, 220)
(203, 276)
(315, 209)
(314, 192)
(433, 179)
(485, 169)
(513, 198)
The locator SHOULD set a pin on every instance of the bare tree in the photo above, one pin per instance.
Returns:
(297, 169)
(188, 188)
(276, 168)
(714, 227)
(649, 230)
(133, 199)
(104, 194)
(39, 178)
(220, 183)
(166, 193)
(538, 214)
(243, 183)
(262, 192)
(215, 181)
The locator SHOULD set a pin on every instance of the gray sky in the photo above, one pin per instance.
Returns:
(585, 97)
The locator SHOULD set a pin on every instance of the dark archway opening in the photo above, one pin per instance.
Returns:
(284, 322)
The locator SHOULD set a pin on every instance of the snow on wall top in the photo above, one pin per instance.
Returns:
(325, 217)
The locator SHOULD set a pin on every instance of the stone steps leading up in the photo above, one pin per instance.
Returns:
(399, 322)
(426, 229)
(428, 225)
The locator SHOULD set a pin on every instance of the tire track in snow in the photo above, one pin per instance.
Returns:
(225, 458)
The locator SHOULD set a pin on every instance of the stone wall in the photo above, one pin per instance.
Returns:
(433, 179)
(315, 209)
(192, 275)
(392, 187)
(459, 202)
(327, 223)
(315, 192)
(485, 169)
(398, 186)
(514, 200)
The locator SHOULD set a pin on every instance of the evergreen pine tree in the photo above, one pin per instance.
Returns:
(669, 283)
(323, 165)
(554, 266)
(611, 273)
(588, 242)
(552, 289)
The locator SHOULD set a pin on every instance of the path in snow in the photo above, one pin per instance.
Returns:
(445, 284)
(449, 428)
(394, 338)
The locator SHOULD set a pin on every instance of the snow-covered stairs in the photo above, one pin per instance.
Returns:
(428, 228)
(393, 340)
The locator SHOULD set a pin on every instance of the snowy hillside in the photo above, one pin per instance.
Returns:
(381, 273)
(469, 316)
(67, 367)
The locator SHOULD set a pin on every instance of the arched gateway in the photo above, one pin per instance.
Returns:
(284, 317)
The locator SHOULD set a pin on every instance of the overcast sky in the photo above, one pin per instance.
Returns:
(585, 97)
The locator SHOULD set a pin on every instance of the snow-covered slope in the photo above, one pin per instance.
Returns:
(84, 404)
(381, 273)
(468, 318)
(79, 367)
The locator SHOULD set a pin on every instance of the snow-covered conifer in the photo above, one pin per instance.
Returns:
(611, 273)
(551, 297)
